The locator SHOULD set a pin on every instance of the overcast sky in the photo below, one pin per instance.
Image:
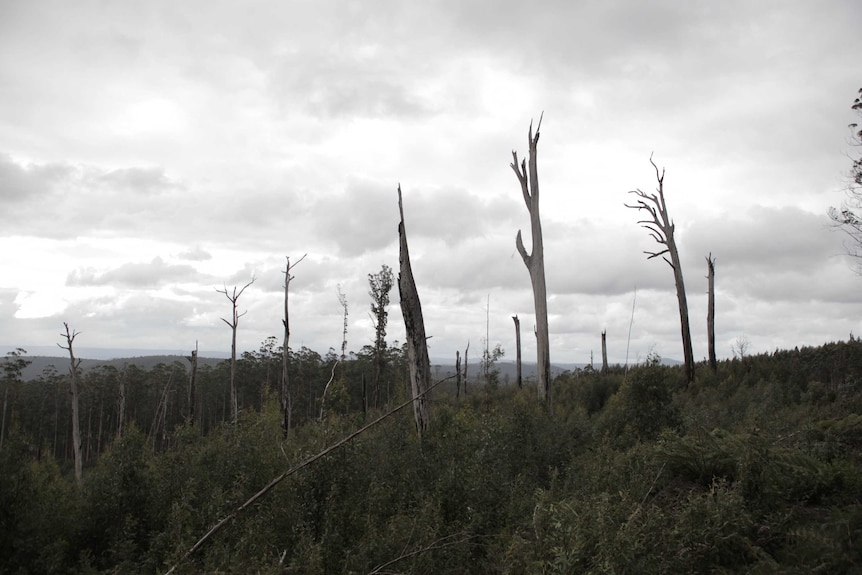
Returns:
(154, 152)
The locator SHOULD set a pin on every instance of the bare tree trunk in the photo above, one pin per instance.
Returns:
(234, 404)
(466, 351)
(661, 228)
(535, 262)
(121, 401)
(457, 374)
(417, 347)
(286, 395)
(342, 300)
(518, 351)
(70, 336)
(604, 352)
(710, 312)
(192, 380)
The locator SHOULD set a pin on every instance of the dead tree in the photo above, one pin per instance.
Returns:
(74, 363)
(466, 351)
(457, 374)
(286, 395)
(518, 351)
(604, 352)
(417, 347)
(535, 261)
(193, 367)
(661, 228)
(233, 297)
(121, 403)
(342, 301)
(710, 311)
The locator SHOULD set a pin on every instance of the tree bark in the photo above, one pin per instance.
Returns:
(535, 262)
(604, 352)
(710, 312)
(70, 336)
(417, 347)
(661, 228)
(518, 377)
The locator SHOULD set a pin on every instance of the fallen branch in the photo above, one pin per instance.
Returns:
(442, 543)
(263, 492)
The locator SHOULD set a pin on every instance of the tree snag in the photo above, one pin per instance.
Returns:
(417, 347)
(233, 297)
(518, 377)
(661, 228)
(74, 363)
(710, 311)
(535, 261)
(286, 396)
(457, 374)
(604, 352)
(193, 368)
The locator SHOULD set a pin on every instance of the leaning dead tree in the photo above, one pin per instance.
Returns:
(233, 297)
(710, 311)
(74, 363)
(661, 228)
(535, 261)
(286, 396)
(417, 347)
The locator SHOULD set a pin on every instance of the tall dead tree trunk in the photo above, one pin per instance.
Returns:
(121, 401)
(342, 301)
(286, 395)
(74, 363)
(604, 352)
(457, 374)
(518, 377)
(233, 297)
(466, 351)
(661, 228)
(535, 261)
(710, 311)
(193, 360)
(417, 347)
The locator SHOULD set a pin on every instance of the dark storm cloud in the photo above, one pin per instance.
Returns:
(136, 275)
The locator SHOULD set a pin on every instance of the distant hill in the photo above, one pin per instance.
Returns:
(147, 362)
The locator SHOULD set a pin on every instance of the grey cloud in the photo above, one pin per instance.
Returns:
(144, 181)
(196, 254)
(135, 275)
(29, 182)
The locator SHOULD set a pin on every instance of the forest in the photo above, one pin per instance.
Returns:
(752, 468)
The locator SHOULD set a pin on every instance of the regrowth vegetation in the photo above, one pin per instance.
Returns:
(755, 468)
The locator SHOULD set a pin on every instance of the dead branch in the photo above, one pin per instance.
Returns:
(269, 486)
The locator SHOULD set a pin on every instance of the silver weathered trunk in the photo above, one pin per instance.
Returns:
(535, 262)
(661, 228)
(417, 348)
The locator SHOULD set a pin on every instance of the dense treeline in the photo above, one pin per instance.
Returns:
(755, 468)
